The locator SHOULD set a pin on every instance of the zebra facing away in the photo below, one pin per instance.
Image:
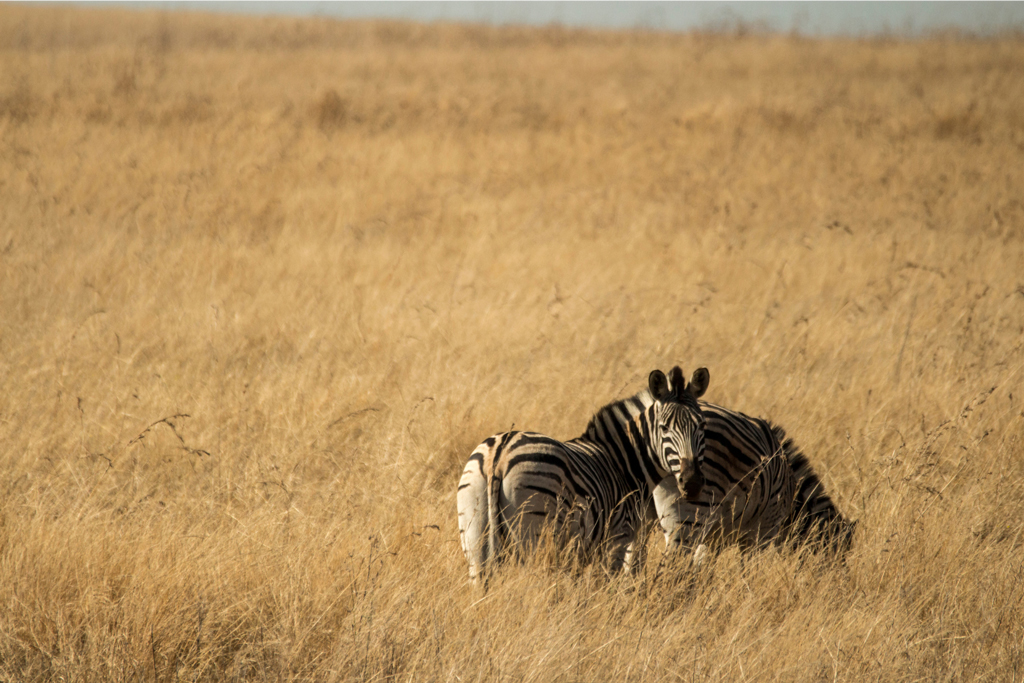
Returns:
(758, 488)
(594, 491)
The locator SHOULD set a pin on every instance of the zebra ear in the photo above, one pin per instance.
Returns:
(699, 382)
(677, 381)
(658, 384)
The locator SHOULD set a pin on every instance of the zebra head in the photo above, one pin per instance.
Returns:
(677, 434)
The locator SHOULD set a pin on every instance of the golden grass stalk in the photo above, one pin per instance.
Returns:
(264, 283)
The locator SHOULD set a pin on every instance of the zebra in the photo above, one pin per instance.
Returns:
(594, 491)
(758, 488)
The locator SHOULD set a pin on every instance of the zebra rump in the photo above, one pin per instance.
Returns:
(816, 522)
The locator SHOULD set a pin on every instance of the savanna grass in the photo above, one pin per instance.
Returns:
(264, 283)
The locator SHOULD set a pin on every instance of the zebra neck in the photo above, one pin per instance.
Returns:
(625, 430)
(652, 461)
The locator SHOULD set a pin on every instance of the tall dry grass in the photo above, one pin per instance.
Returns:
(264, 283)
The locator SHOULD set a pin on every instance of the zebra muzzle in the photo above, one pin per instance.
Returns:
(691, 488)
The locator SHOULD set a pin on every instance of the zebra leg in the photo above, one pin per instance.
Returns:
(636, 551)
(623, 551)
(680, 521)
(529, 514)
(671, 516)
(634, 557)
(472, 506)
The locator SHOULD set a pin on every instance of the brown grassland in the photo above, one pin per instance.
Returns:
(264, 284)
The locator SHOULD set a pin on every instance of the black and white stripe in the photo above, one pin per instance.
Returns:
(595, 491)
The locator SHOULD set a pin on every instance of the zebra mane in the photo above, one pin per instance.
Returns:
(620, 412)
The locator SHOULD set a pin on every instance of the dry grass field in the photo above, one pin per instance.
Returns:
(264, 284)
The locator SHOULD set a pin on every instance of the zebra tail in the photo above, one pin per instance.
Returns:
(493, 549)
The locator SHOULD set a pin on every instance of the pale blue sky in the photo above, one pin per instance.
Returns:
(810, 18)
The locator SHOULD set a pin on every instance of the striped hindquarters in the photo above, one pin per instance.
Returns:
(576, 486)
(815, 520)
(517, 484)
